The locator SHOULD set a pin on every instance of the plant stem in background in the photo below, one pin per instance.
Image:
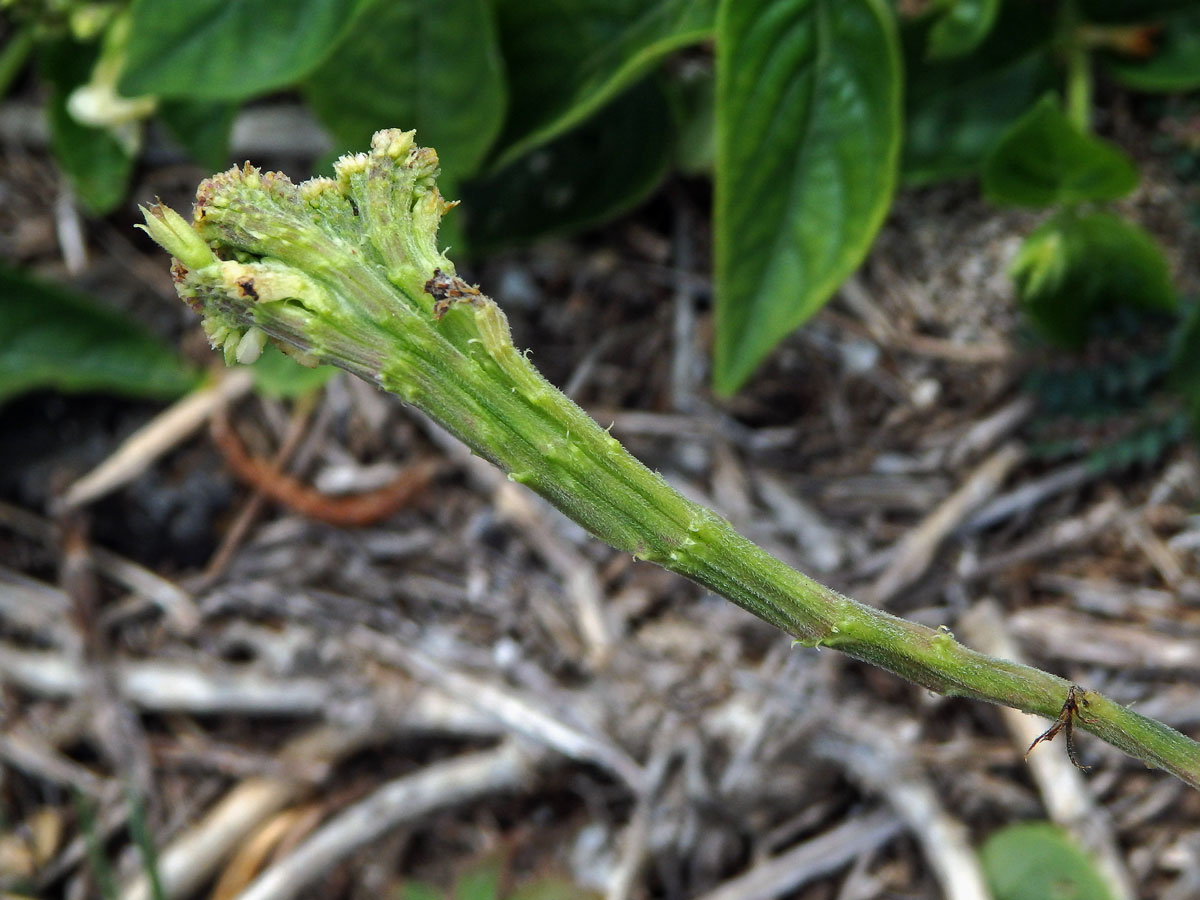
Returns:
(1077, 57)
(13, 57)
(347, 271)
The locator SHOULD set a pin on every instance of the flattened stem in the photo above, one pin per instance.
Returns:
(389, 308)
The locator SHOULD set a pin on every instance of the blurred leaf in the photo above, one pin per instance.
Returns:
(567, 58)
(584, 177)
(415, 890)
(962, 28)
(956, 109)
(278, 375)
(416, 64)
(202, 129)
(481, 880)
(1116, 11)
(1045, 160)
(1039, 861)
(52, 338)
(808, 137)
(1073, 267)
(95, 163)
(1143, 446)
(1185, 364)
(218, 50)
(1174, 64)
(101, 869)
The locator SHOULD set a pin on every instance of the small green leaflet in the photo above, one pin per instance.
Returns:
(1074, 266)
(1044, 159)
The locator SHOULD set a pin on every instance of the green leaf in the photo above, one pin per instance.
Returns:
(202, 129)
(568, 59)
(95, 163)
(278, 375)
(416, 64)
(1118, 11)
(218, 50)
(808, 138)
(962, 28)
(1046, 160)
(481, 881)
(52, 338)
(956, 109)
(1039, 861)
(585, 177)
(1073, 267)
(1173, 67)
(1185, 364)
(417, 890)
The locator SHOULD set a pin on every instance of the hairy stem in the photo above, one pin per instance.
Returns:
(347, 271)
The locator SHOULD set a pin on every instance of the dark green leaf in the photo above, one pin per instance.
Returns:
(1185, 364)
(51, 338)
(416, 64)
(1074, 267)
(808, 137)
(1117, 11)
(201, 128)
(1045, 160)
(221, 50)
(567, 59)
(962, 28)
(1039, 861)
(956, 109)
(580, 179)
(1174, 64)
(97, 166)
(277, 375)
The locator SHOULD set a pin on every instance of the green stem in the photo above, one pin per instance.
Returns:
(1079, 67)
(347, 272)
(13, 56)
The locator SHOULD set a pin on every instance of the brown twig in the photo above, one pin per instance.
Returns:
(352, 511)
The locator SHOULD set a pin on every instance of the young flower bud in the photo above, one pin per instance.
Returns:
(175, 235)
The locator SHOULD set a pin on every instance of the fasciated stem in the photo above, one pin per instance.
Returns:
(347, 272)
